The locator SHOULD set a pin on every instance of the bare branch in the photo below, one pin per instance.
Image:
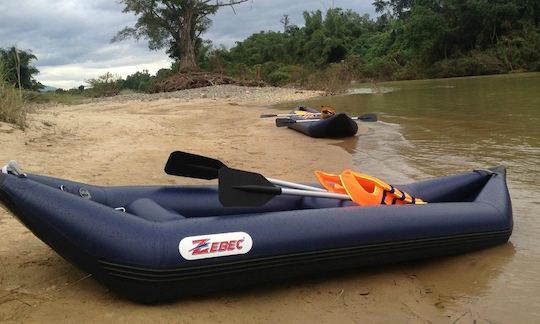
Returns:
(230, 3)
(124, 34)
(224, 4)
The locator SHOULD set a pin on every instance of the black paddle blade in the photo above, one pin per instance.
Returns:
(242, 188)
(282, 122)
(268, 115)
(368, 117)
(192, 165)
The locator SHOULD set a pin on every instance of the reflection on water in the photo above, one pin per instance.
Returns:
(349, 144)
(440, 127)
(371, 90)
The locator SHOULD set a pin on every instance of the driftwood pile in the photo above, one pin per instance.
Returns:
(191, 80)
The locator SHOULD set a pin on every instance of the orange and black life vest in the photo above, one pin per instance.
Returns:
(365, 190)
(326, 112)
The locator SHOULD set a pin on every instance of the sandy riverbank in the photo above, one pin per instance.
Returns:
(126, 140)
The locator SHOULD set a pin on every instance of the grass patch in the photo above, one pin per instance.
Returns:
(12, 107)
(64, 98)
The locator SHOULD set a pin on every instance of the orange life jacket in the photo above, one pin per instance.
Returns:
(327, 112)
(365, 190)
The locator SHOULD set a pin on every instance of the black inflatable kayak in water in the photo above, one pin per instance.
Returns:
(339, 125)
(155, 243)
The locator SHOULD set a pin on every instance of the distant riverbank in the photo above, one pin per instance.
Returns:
(242, 94)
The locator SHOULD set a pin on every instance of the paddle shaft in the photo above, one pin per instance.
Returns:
(287, 115)
(307, 120)
(292, 192)
(294, 185)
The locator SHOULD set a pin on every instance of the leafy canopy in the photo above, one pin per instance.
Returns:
(18, 68)
(173, 24)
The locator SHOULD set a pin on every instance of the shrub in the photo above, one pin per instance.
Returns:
(280, 75)
(12, 108)
(164, 74)
(475, 63)
(106, 85)
(139, 81)
(381, 68)
(241, 71)
(520, 51)
(334, 78)
(413, 70)
(70, 97)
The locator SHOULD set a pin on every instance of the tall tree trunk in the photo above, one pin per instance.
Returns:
(18, 64)
(187, 46)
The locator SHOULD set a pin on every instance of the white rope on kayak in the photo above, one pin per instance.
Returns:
(13, 168)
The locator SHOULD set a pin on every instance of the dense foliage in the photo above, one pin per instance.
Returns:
(106, 85)
(409, 39)
(18, 69)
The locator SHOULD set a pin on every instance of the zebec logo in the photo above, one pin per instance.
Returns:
(215, 245)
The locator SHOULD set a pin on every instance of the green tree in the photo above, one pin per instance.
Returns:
(260, 48)
(176, 24)
(18, 68)
(139, 81)
(425, 33)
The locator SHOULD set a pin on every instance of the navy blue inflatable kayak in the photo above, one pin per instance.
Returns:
(336, 126)
(155, 243)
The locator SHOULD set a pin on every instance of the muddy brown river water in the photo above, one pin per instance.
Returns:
(437, 127)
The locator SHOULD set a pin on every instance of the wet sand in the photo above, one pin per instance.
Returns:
(126, 142)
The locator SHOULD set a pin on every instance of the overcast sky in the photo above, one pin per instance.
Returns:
(71, 38)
